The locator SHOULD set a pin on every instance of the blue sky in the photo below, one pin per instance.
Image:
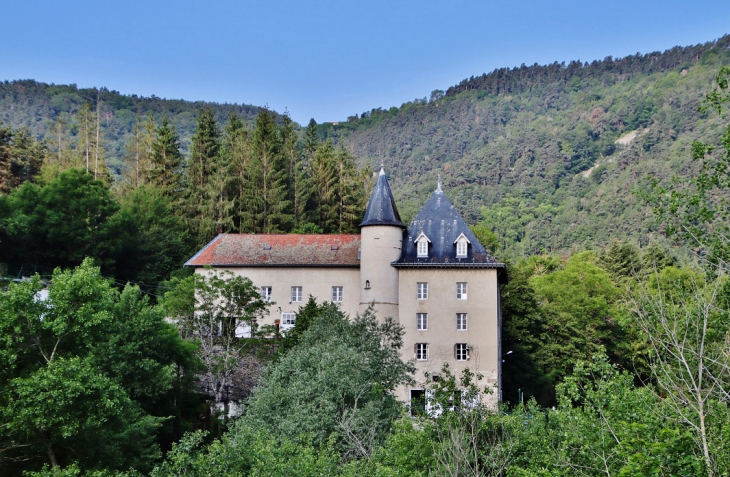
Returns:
(326, 60)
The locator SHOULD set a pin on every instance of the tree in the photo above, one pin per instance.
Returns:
(700, 214)
(686, 328)
(215, 309)
(237, 148)
(166, 161)
(156, 240)
(83, 372)
(204, 154)
(60, 223)
(339, 379)
(269, 208)
(579, 302)
(684, 315)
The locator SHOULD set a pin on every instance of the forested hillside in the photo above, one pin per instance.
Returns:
(39, 107)
(548, 157)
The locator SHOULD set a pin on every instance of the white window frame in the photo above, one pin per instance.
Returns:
(266, 292)
(422, 290)
(461, 290)
(421, 350)
(288, 318)
(422, 245)
(337, 293)
(461, 321)
(462, 246)
(296, 294)
(461, 352)
(287, 322)
(422, 321)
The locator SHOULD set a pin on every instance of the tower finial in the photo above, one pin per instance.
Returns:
(438, 187)
(382, 170)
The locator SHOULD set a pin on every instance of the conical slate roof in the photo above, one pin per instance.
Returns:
(442, 224)
(381, 207)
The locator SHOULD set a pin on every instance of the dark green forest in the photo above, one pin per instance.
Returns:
(603, 186)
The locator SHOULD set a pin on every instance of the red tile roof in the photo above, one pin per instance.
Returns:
(241, 250)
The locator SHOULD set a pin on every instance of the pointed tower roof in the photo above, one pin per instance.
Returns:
(442, 224)
(381, 207)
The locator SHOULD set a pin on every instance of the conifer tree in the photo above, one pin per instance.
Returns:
(204, 151)
(6, 136)
(166, 161)
(84, 119)
(268, 173)
(237, 146)
(349, 192)
(296, 179)
(220, 204)
(310, 139)
(324, 183)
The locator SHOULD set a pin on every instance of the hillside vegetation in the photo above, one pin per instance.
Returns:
(548, 157)
(37, 106)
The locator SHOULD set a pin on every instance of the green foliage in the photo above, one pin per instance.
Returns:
(59, 224)
(20, 157)
(211, 310)
(537, 146)
(698, 213)
(338, 380)
(580, 313)
(88, 376)
(248, 451)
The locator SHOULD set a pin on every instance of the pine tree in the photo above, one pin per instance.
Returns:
(238, 148)
(166, 161)
(204, 152)
(349, 192)
(323, 211)
(6, 136)
(84, 119)
(296, 179)
(268, 171)
(221, 205)
(310, 139)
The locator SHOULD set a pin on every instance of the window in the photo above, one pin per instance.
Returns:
(461, 290)
(266, 293)
(296, 294)
(337, 294)
(288, 319)
(422, 246)
(461, 321)
(422, 321)
(421, 351)
(461, 351)
(422, 293)
(462, 244)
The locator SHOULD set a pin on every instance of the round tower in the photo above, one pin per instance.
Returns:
(381, 235)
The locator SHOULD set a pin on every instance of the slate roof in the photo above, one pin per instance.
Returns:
(442, 224)
(284, 250)
(381, 207)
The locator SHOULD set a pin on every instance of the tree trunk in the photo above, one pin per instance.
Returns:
(49, 449)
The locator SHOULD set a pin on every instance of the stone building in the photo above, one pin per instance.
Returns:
(433, 276)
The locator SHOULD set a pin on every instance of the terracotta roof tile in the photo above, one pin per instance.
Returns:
(279, 250)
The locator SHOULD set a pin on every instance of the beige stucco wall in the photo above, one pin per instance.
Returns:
(482, 334)
(316, 281)
(380, 246)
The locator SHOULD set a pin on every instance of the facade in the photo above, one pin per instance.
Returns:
(433, 276)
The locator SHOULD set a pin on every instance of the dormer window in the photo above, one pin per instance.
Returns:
(422, 246)
(462, 244)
